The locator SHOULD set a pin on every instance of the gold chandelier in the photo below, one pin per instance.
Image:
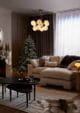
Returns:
(40, 25)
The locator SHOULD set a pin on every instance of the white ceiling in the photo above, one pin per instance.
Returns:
(47, 5)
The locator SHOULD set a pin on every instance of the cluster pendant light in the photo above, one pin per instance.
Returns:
(39, 24)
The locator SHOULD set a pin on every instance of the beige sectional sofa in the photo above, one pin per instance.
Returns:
(50, 72)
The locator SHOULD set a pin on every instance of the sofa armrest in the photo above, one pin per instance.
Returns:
(30, 68)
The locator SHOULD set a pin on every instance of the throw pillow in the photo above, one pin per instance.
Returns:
(54, 59)
(50, 64)
(64, 62)
(34, 62)
(41, 62)
(46, 57)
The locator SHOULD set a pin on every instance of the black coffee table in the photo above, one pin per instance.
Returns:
(32, 81)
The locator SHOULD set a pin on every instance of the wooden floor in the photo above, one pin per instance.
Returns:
(4, 109)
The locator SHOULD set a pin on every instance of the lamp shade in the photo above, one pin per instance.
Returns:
(77, 65)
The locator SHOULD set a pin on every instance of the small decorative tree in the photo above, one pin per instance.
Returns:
(28, 52)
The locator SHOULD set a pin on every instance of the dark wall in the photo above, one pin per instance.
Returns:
(43, 40)
(21, 28)
(19, 33)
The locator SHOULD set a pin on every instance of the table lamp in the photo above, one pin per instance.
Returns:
(77, 66)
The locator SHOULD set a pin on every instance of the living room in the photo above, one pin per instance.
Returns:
(60, 39)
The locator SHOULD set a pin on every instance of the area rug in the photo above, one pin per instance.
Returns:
(42, 94)
(8, 109)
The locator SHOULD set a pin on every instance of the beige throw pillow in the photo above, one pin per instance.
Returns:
(54, 59)
(34, 62)
(50, 64)
(41, 62)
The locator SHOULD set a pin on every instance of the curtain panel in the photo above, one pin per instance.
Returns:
(67, 33)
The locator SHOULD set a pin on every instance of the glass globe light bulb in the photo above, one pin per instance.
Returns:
(46, 23)
(41, 29)
(34, 28)
(45, 28)
(39, 21)
(33, 23)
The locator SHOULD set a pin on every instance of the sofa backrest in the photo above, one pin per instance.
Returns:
(44, 60)
(53, 58)
(68, 59)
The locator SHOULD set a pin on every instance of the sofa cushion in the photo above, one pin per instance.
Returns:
(37, 70)
(57, 73)
(50, 64)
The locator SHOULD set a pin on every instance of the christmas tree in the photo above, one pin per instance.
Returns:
(28, 52)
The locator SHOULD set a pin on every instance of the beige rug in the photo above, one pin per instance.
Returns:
(35, 106)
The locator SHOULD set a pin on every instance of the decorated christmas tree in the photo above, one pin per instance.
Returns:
(28, 52)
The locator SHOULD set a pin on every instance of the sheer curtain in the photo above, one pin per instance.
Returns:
(67, 34)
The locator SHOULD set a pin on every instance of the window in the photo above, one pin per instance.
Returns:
(67, 34)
